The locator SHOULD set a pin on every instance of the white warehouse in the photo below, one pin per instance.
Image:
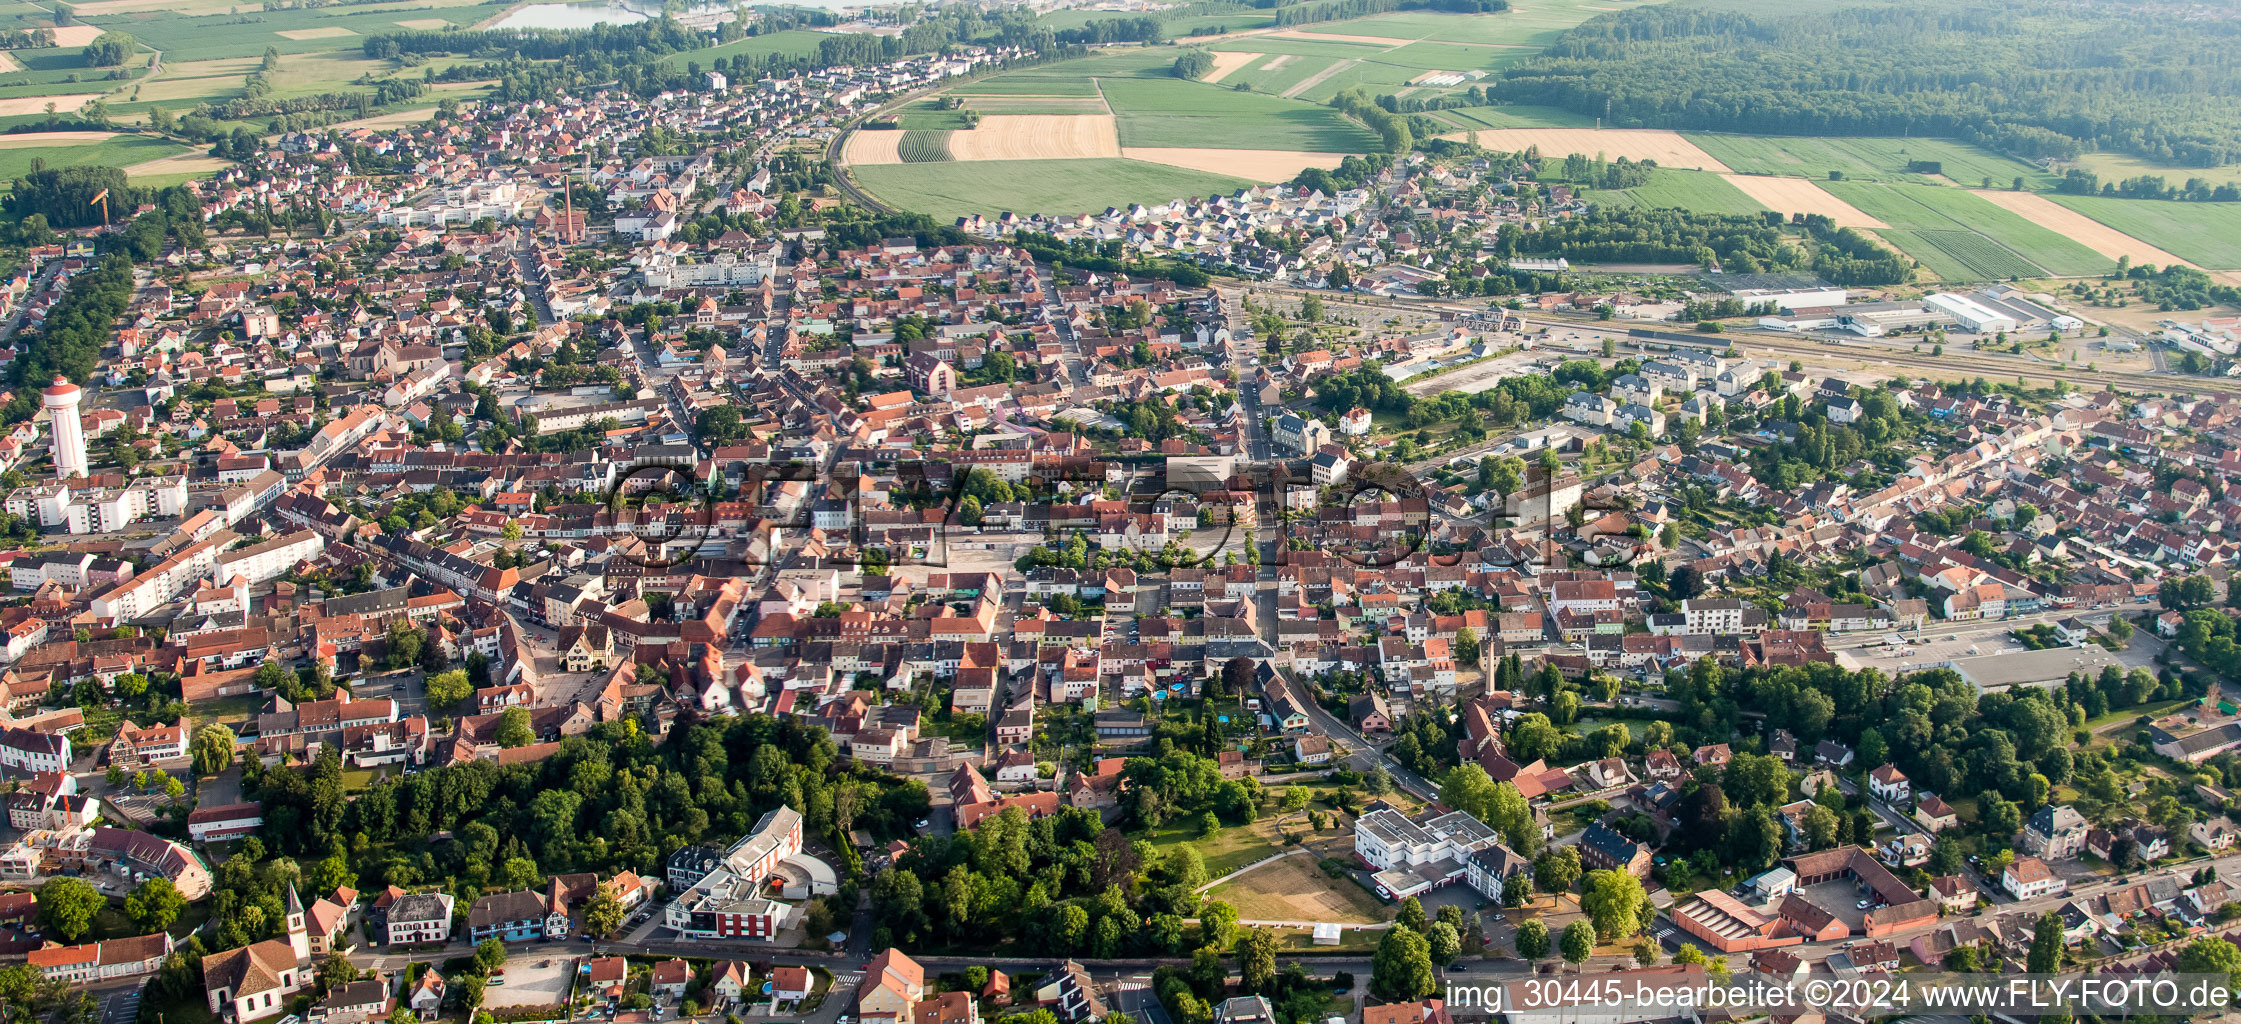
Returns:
(1971, 314)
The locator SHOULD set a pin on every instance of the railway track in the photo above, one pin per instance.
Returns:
(1992, 366)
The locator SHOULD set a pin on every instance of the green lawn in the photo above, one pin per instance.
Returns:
(1225, 851)
(2208, 234)
(1868, 159)
(1036, 186)
(1698, 191)
(1964, 237)
(1172, 112)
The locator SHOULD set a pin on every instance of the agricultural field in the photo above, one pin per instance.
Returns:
(919, 147)
(1669, 149)
(2206, 234)
(1797, 195)
(81, 149)
(1961, 236)
(186, 83)
(923, 115)
(191, 32)
(1046, 186)
(1533, 24)
(2079, 228)
(1698, 191)
(1864, 159)
(1472, 118)
(1179, 114)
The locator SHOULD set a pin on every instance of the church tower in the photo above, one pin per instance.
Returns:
(299, 936)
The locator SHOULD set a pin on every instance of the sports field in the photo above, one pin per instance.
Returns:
(1042, 186)
(1698, 191)
(1863, 159)
(2206, 234)
(1961, 236)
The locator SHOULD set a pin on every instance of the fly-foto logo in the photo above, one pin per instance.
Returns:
(1177, 512)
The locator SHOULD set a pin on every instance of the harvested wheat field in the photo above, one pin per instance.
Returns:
(21, 105)
(1254, 164)
(77, 35)
(8, 63)
(871, 148)
(184, 163)
(1669, 149)
(1227, 61)
(322, 32)
(30, 139)
(1037, 137)
(425, 24)
(2078, 227)
(1797, 195)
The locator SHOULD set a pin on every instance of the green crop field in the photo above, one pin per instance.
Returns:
(1393, 69)
(1962, 236)
(1865, 159)
(1474, 118)
(919, 147)
(1698, 191)
(2207, 234)
(1289, 70)
(922, 115)
(1178, 29)
(190, 37)
(1075, 77)
(1044, 186)
(1337, 48)
(1190, 114)
(1019, 83)
(1535, 23)
(121, 151)
(1023, 105)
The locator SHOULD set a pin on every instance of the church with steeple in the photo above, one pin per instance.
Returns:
(255, 981)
